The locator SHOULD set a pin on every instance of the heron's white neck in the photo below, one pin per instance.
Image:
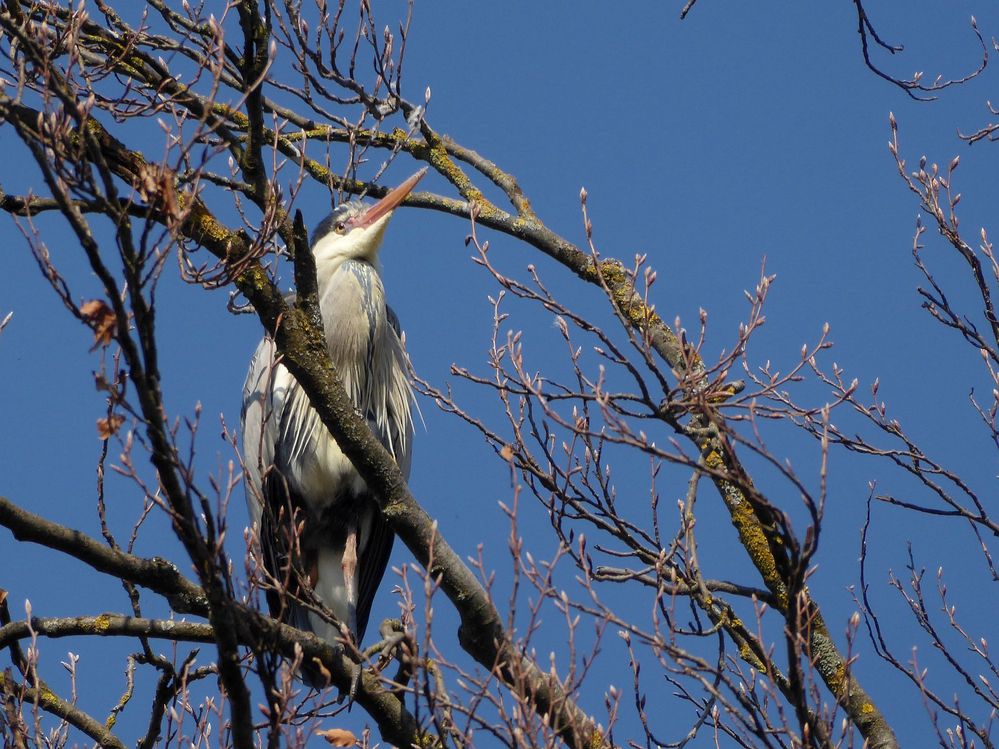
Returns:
(333, 250)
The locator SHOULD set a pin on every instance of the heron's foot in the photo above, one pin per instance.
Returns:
(356, 670)
(348, 646)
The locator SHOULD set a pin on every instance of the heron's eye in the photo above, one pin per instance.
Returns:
(340, 227)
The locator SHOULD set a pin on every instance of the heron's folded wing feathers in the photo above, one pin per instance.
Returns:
(371, 567)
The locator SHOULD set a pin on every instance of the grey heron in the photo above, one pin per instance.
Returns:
(319, 525)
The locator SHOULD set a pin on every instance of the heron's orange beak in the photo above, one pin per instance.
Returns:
(387, 204)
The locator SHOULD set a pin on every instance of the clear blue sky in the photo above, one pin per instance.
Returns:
(748, 131)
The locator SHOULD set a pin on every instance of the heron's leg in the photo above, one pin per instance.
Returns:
(349, 564)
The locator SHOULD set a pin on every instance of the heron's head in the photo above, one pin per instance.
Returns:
(354, 231)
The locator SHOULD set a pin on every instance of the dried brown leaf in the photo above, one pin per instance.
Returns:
(338, 737)
(101, 319)
(107, 427)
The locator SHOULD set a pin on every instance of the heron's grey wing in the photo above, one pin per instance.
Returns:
(396, 434)
(288, 547)
(257, 425)
(284, 531)
(371, 565)
(269, 499)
